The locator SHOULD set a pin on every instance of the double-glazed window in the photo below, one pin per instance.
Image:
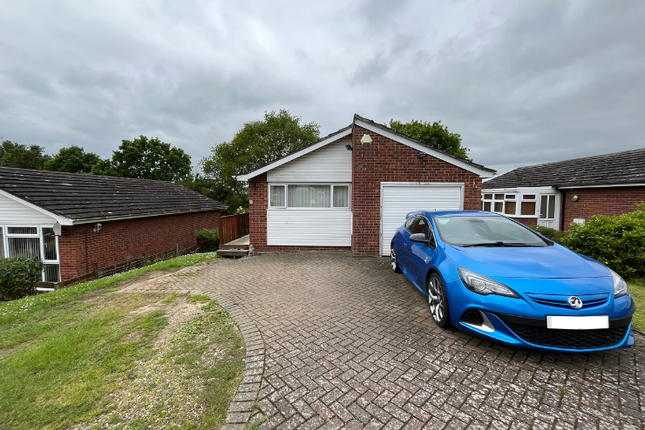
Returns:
(32, 242)
(308, 196)
(515, 204)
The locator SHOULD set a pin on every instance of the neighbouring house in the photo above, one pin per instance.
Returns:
(73, 221)
(353, 189)
(557, 194)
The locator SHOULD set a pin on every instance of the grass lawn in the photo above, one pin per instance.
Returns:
(89, 357)
(637, 289)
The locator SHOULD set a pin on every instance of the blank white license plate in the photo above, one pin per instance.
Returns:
(577, 323)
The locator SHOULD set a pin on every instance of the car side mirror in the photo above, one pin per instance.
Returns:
(419, 237)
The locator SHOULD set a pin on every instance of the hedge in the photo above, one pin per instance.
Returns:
(18, 276)
(617, 241)
(208, 239)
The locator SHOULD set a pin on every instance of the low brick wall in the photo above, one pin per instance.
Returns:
(118, 241)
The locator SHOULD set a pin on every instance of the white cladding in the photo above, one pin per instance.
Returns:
(398, 200)
(309, 227)
(331, 163)
(12, 212)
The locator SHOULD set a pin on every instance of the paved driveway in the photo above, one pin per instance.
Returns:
(349, 344)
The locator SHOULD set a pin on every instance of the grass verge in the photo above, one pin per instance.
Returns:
(637, 290)
(90, 357)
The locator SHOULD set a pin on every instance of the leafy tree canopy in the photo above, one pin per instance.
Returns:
(146, 159)
(22, 156)
(73, 159)
(258, 143)
(434, 134)
(210, 188)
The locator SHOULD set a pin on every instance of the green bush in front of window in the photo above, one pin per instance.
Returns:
(18, 276)
(550, 233)
(208, 239)
(617, 241)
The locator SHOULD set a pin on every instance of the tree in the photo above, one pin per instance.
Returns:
(146, 159)
(22, 156)
(73, 159)
(210, 188)
(258, 143)
(434, 134)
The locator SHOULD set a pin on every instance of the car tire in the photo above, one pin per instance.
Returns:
(438, 301)
(394, 260)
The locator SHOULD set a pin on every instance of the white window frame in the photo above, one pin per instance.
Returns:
(520, 197)
(333, 193)
(38, 235)
(331, 200)
(284, 186)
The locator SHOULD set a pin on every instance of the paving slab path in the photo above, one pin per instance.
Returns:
(343, 342)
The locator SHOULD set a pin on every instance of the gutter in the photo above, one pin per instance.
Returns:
(622, 184)
(144, 215)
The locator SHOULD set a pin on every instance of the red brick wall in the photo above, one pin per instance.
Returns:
(601, 201)
(117, 241)
(385, 160)
(259, 194)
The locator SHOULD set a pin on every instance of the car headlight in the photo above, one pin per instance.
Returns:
(483, 285)
(620, 286)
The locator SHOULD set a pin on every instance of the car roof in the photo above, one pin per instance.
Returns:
(440, 214)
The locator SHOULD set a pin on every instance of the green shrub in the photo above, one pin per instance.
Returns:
(208, 239)
(18, 276)
(550, 233)
(617, 241)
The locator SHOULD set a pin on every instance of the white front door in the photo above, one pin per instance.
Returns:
(398, 199)
(549, 211)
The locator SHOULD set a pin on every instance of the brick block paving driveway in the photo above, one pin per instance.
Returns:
(350, 344)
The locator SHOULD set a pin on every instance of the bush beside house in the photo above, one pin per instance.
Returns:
(18, 276)
(208, 239)
(617, 241)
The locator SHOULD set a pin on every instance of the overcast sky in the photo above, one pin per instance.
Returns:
(523, 82)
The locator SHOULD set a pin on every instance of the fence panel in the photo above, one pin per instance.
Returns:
(232, 227)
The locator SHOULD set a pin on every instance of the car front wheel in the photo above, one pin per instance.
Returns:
(438, 301)
(394, 260)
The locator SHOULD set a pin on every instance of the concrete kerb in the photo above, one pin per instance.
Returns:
(242, 405)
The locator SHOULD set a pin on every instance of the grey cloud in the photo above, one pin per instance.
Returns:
(522, 82)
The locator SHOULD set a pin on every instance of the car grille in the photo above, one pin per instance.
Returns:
(562, 301)
(570, 339)
(534, 330)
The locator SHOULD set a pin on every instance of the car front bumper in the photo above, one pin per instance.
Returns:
(519, 322)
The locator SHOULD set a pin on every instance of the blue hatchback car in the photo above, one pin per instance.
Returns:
(493, 277)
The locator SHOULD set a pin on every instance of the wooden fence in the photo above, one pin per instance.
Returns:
(232, 227)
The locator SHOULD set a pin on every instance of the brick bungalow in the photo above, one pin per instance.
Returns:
(72, 221)
(557, 194)
(353, 188)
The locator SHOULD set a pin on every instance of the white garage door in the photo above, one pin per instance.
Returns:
(397, 200)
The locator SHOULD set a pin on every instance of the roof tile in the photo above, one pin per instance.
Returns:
(79, 196)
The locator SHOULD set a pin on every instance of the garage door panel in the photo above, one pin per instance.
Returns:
(399, 200)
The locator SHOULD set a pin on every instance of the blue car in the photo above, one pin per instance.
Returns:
(493, 277)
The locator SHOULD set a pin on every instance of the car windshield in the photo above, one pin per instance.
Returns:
(485, 231)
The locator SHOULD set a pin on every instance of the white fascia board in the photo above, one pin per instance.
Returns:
(570, 187)
(60, 219)
(523, 190)
(285, 160)
(436, 154)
